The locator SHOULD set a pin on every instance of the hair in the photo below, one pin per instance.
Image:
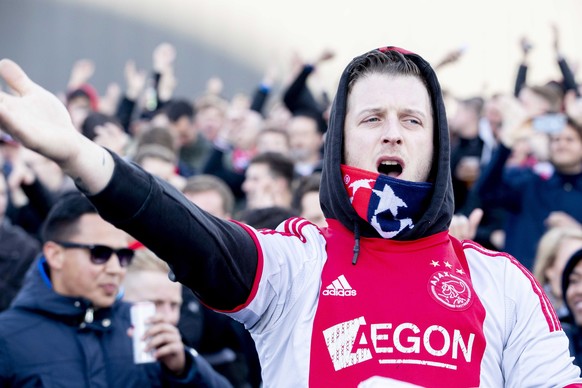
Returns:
(390, 62)
(203, 183)
(267, 217)
(156, 151)
(476, 104)
(551, 93)
(314, 115)
(176, 109)
(156, 135)
(95, 119)
(84, 91)
(146, 260)
(277, 131)
(306, 184)
(211, 101)
(278, 165)
(62, 220)
(548, 246)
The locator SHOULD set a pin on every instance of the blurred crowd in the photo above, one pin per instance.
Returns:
(256, 158)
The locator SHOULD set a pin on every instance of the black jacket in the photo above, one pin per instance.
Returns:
(47, 339)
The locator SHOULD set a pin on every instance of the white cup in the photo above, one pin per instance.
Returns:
(140, 313)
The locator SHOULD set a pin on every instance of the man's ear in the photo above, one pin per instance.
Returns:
(54, 254)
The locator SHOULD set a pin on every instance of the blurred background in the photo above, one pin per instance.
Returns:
(238, 40)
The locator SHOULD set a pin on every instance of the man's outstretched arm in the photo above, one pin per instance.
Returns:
(215, 258)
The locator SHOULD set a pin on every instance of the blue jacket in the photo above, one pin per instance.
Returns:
(529, 198)
(48, 340)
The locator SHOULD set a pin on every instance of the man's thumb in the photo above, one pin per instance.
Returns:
(15, 77)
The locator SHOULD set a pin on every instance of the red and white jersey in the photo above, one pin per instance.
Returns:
(430, 312)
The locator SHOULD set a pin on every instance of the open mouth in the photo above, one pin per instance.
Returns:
(390, 167)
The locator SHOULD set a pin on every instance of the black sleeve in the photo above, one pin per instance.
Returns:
(297, 96)
(491, 188)
(217, 259)
(260, 98)
(215, 166)
(31, 216)
(520, 79)
(124, 112)
(568, 76)
(39, 197)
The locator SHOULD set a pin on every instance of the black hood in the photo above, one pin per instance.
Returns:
(568, 269)
(334, 198)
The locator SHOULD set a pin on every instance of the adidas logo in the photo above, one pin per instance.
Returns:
(339, 287)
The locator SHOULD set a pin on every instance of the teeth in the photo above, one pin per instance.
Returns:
(390, 162)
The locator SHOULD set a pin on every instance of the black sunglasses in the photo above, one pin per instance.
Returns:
(100, 254)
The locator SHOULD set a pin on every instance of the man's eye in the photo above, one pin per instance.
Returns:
(414, 121)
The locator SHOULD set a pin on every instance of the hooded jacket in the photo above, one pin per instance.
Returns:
(49, 340)
(422, 308)
(334, 199)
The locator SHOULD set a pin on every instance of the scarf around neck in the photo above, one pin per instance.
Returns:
(390, 205)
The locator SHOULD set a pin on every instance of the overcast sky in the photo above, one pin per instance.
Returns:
(262, 31)
(238, 39)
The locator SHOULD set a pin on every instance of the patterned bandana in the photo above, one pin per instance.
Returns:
(390, 205)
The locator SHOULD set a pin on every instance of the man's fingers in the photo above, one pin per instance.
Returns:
(15, 77)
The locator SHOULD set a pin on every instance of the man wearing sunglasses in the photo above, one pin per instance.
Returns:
(68, 325)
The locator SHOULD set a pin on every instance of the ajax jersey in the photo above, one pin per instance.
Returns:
(433, 312)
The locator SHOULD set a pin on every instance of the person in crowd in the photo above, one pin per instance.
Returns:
(306, 199)
(223, 341)
(466, 149)
(17, 251)
(193, 148)
(300, 100)
(490, 231)
(147, 281)
(325, 307)
(67, 326)
(159, 161)
(211, 194)
(305, 142)
(553, 251)
(278, 116)
(29, 198)
(268, 181)
(106, 131)
(547, 97)
(533, 197)
(273, 140)
(81, 97)
(234, 147)
(211, 115)
(572, 294)
(263, 90)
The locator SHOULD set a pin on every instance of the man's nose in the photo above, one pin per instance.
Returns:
(392, 131)
(113, 265)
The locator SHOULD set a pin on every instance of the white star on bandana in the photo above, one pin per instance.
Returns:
(360, 183)
(389, 201)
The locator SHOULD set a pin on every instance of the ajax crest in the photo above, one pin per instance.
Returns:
(450, 290)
